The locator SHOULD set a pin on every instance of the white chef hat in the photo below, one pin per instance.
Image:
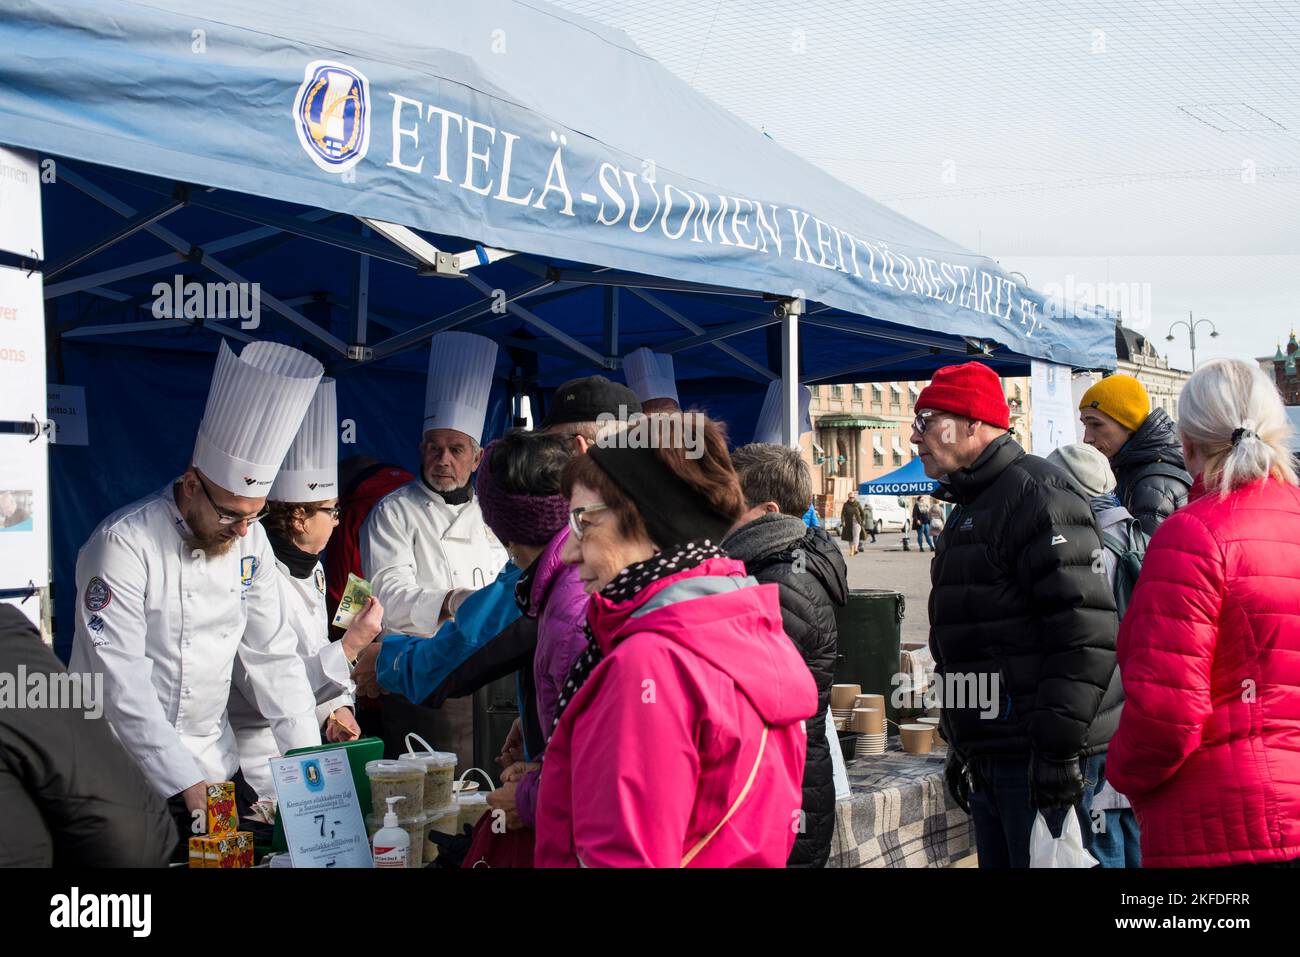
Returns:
(255, 404)
(769, 419)
(460, 379)
(650, 375)
(310, 471)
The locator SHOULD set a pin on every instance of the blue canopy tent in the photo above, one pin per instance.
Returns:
(908, 480)
(387, 172)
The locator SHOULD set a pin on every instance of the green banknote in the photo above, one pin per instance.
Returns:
(353, 600)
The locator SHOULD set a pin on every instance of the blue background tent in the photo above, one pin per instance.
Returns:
(582, 203)
(908, 480)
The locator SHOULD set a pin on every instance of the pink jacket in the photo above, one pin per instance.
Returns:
(654, 749)
(1208, 746)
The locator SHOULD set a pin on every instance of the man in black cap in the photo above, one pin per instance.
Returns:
(577, 407)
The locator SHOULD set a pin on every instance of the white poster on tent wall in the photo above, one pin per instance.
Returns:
(20, 204)
(24, 485)
(1051, 399)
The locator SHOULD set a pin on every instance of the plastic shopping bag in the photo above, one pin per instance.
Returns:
(1064, 851)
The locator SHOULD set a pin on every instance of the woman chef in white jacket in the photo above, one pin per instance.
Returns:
(302, 510)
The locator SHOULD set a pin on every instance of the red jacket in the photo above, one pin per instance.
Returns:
(343, 555)
(1208, 747)
(655, 748)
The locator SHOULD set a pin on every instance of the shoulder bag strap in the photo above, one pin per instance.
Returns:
(744, 792)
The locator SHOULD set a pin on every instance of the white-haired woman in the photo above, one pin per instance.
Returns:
(1208, 747)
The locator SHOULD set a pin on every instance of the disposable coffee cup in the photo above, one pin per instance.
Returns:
(843, 696)
(868, 720)
(931, 723)
(917, 738)
(870, 701)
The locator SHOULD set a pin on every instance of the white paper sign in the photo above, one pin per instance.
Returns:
(1051, 400)
(318, 804)
(20, 204)
(24, 486)
(66, 407)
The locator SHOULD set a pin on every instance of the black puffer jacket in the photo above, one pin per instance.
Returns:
(1015, 601)
(807, 566)
(1151, 476)
(70, 794)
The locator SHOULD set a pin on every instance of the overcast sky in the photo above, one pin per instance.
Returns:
(1150, 151)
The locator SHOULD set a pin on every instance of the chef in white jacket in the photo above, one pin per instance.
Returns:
(301, 514)
(425, 546)
(650, 375)
(172, 588)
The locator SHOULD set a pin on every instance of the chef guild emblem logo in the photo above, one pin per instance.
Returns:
(247, 569)
(311, 774)
(98, 594)
(332, 115)
(320, 581)
(249, 481)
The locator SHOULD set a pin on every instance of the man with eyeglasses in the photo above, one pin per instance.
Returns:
(425, 547)
(173, 588)
(1021, 628)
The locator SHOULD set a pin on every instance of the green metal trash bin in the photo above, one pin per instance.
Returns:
(870, 636)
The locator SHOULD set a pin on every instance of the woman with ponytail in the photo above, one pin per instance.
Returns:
(1208, 746)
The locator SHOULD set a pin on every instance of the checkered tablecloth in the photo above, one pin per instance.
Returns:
(899, 814)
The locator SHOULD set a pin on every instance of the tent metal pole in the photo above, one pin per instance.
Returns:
(614, 277)
(677, 317)
(611, 321)
(473, 310)
(792, 309)
(144, 266)
(181, 246)
(115, 236)
(104, 330)
(721, 332)
(514, 308)
(905, 338)
(865, 366)
(361, 297)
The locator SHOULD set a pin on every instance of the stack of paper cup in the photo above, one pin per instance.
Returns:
(842, 699)
(870, 725)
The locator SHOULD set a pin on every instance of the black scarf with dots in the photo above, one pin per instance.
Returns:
(624, 588)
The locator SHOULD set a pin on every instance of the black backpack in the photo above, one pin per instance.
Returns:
(1129, 550)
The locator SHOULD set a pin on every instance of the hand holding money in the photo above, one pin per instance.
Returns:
(353, 600)
(364, 629)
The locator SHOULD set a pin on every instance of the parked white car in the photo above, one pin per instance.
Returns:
(891, 514)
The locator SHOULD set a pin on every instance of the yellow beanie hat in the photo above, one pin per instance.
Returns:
(1121, 397)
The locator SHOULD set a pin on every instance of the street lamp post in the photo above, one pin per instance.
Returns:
(1191, 332)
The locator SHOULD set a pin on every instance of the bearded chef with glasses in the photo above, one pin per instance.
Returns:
(172, 588)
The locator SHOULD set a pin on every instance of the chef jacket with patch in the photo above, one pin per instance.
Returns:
(327, 671)
(415, 548)
(164, 624)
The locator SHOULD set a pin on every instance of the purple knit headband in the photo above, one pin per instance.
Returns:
(513, 516)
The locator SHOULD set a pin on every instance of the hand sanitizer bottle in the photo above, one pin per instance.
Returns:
(391, 843)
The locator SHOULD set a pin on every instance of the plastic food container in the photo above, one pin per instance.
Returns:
(472, 807)
(394, 778)
(439, 768)
(446, 820)
(416, 827)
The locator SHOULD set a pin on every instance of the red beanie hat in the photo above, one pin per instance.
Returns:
(970, 389)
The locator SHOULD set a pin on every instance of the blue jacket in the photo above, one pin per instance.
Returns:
(414, 667)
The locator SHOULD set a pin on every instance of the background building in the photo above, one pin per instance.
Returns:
(1282, 366)
(1139, 358)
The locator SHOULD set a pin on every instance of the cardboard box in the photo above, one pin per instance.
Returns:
(222, 851)
(223, 818)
